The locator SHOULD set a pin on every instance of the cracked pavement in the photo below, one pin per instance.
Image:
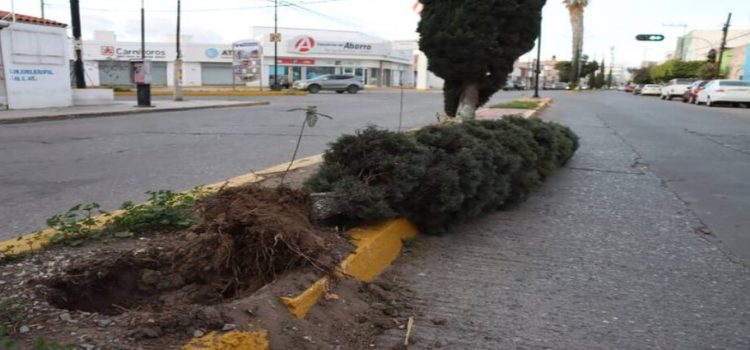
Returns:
(611, 252)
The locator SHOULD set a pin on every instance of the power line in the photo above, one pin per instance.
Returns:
(224, 9)
(728, 40)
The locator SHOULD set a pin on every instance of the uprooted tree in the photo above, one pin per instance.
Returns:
(472, 45)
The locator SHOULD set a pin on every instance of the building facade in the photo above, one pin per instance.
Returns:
(307, 53)
(34, 63)
(695, 45)
(302, 54)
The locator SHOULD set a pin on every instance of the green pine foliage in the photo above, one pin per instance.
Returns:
(440, 175)
(476, 42)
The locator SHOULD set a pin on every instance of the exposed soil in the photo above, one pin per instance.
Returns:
(251, 246)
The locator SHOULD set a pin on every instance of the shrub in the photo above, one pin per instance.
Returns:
(370, 173)
(440, 174)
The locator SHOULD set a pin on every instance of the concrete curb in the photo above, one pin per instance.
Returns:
(525, 113)
(37, 240)
(23, 120)
(220, 93)
(376, 248)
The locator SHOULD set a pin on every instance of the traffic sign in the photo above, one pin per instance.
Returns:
(649, 37)
(275, 37)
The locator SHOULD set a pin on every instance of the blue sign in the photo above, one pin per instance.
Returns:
(29, 74)
(212, 53)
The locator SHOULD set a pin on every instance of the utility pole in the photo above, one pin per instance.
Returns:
(144, 87)
(42, 4)
(178, 61)
(276, 86)
(717, 72)
(75, 14)
(538, 61)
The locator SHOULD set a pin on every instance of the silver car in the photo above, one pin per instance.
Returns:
(331, 82)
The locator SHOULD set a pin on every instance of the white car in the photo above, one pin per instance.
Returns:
(675, 88)
(651, 89)
(724, 90)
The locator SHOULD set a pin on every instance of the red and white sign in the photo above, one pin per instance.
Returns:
(108, 50)
(297, 61)
(303, 44)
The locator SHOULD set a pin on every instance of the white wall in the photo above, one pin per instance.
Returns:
(91, 73)
(36, 64)
(191, 74)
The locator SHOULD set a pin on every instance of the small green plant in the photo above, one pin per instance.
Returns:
(75, 225)
(518, 104)
(164, 209)
(10, 315)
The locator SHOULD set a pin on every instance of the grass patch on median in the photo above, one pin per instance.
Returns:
(518, 104)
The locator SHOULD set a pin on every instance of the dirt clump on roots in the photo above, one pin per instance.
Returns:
(168, 288)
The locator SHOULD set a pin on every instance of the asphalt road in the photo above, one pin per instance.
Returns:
(612, 252)
(48, 167)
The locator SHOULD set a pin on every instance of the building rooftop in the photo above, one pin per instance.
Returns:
(5, 15)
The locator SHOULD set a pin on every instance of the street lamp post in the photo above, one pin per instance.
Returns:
(276, 85)
(538, 61)
(178, 61)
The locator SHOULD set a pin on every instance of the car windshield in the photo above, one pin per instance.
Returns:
(683, 81)
(734, 83)
(653, 86)
(320, 77)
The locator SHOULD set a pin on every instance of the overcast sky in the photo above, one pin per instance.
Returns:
(607, 22)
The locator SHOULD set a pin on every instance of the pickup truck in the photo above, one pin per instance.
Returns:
(675, 88)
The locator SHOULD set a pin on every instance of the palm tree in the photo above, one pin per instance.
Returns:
(575, 7)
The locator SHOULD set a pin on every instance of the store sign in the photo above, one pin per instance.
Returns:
(29, 74)
(216, 53)
(121, 52)
(305, 44)
(212, 53)
(247, 60)
(297, 61)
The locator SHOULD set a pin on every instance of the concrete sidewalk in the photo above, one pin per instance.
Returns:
(603, 256)
(115, 109)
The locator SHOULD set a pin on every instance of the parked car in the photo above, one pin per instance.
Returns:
(724, 91)
(509, 85)
(284, 81)
(637, 89)
(330, 82)
(692, 91)
(675, 88)
(630, 88)
(651, 90)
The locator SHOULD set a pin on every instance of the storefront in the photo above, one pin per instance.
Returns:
(107, 62)
(307, 53)
(303, 54)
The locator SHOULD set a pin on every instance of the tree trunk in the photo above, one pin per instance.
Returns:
(576, 22)
(468, 103)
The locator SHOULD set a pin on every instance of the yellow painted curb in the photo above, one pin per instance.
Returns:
(234, 340)
(220, 93)
(376, 248)
(37, 240)
(302, 303)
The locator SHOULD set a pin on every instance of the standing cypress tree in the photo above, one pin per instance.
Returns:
(472, 45)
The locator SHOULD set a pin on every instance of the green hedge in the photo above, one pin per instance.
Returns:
(440, 175)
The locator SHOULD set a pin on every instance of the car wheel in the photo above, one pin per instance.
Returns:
(662, 97)
(313, 89)
(352, 89)
(669, 97)
(339, 91)
(708, 102)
